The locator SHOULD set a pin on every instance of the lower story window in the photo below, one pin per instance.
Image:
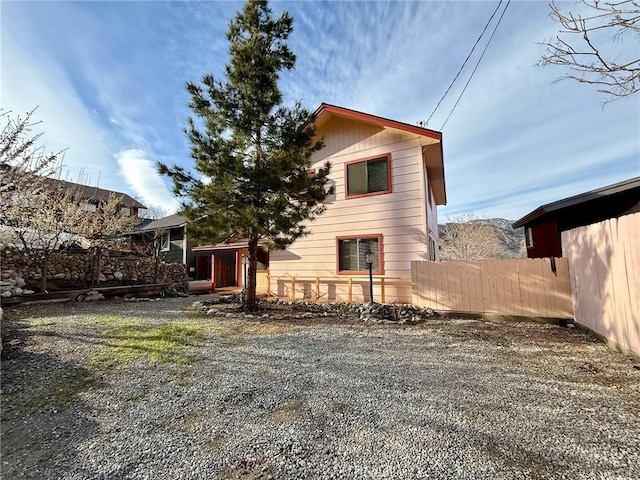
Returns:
(352, 253)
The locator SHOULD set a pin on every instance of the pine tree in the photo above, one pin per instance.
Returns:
(252, 154)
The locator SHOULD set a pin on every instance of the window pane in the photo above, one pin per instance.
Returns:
(357, 178)
(378, 175)
(348, 254)
(352, 254)
(370, 244)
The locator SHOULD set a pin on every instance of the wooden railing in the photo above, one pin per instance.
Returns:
(311, 288)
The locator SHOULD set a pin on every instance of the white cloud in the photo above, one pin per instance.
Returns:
(66, 123)
(141, 175)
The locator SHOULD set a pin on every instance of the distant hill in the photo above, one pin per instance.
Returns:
(509, 242)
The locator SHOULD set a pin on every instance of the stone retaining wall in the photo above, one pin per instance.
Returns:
(68, 270)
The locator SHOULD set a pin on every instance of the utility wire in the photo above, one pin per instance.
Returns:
(465, 62)
(478, 63)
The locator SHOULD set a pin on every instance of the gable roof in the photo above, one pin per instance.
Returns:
(95, 194)
(326, 111)
(431, 153)
(580, 199)
(172, 221)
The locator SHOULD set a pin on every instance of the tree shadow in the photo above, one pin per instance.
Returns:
(605, 281)
(44, 418)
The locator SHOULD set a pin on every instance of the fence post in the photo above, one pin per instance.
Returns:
(350, 297)
(268, 285)
(293, 288)
(317, 287)
(382, 289)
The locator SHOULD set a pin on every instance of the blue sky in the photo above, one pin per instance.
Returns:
(108, 79)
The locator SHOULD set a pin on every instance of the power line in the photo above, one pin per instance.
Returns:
(465, 62)
(478, 63)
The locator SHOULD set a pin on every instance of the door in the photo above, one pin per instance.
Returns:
(203, 267)
(225, 269)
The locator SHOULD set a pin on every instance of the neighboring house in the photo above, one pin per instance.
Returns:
(90, 197)
(544, 226)
(175, 245)
(388, 178)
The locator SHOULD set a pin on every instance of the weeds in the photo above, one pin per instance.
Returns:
(168, 343)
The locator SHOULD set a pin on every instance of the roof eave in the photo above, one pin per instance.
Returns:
(328, 110)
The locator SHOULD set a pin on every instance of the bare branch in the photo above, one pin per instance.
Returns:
(579, 48)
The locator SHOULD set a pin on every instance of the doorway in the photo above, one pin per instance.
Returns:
(225, 269)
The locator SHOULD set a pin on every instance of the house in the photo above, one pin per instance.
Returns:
(544, 226)
(229, 261)
(175, 245)
(90, 197)
(388, 178)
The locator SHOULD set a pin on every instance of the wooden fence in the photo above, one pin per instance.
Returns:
(529, 287)
(605, 278)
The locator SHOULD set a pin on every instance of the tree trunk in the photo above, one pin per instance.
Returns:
(251, 303)
(43, 272)
(157, 245)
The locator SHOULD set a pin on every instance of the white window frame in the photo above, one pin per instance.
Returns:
(165, 241)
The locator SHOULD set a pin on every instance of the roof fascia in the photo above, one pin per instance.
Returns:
(577, 200)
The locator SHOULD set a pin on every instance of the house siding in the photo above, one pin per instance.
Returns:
(174, 255)
(398, 216)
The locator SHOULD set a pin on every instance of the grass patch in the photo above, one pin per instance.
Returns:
(131, 340)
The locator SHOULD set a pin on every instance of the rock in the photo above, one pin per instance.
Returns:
(118, 276)
(9, 282)
(58, 276)
(196, 306)
(102, 278)
(27, 292)
(6, 293)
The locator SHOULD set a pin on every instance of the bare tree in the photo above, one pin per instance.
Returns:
(467, 238)
(154, 212)
(41, 224)
(579, 46)
(23, 164)
(34, 218)
(105, 228)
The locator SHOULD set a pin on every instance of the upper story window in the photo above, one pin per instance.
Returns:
(352, 254)
(370, 176)
(89, 207)
(125, 211)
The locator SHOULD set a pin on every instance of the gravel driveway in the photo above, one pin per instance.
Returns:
(262, 398)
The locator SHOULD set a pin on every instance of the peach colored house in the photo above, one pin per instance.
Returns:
(388, 178)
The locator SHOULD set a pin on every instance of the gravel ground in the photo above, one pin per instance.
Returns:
(319, 398)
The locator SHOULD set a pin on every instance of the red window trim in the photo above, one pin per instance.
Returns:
(363, 272)
(374, 157)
